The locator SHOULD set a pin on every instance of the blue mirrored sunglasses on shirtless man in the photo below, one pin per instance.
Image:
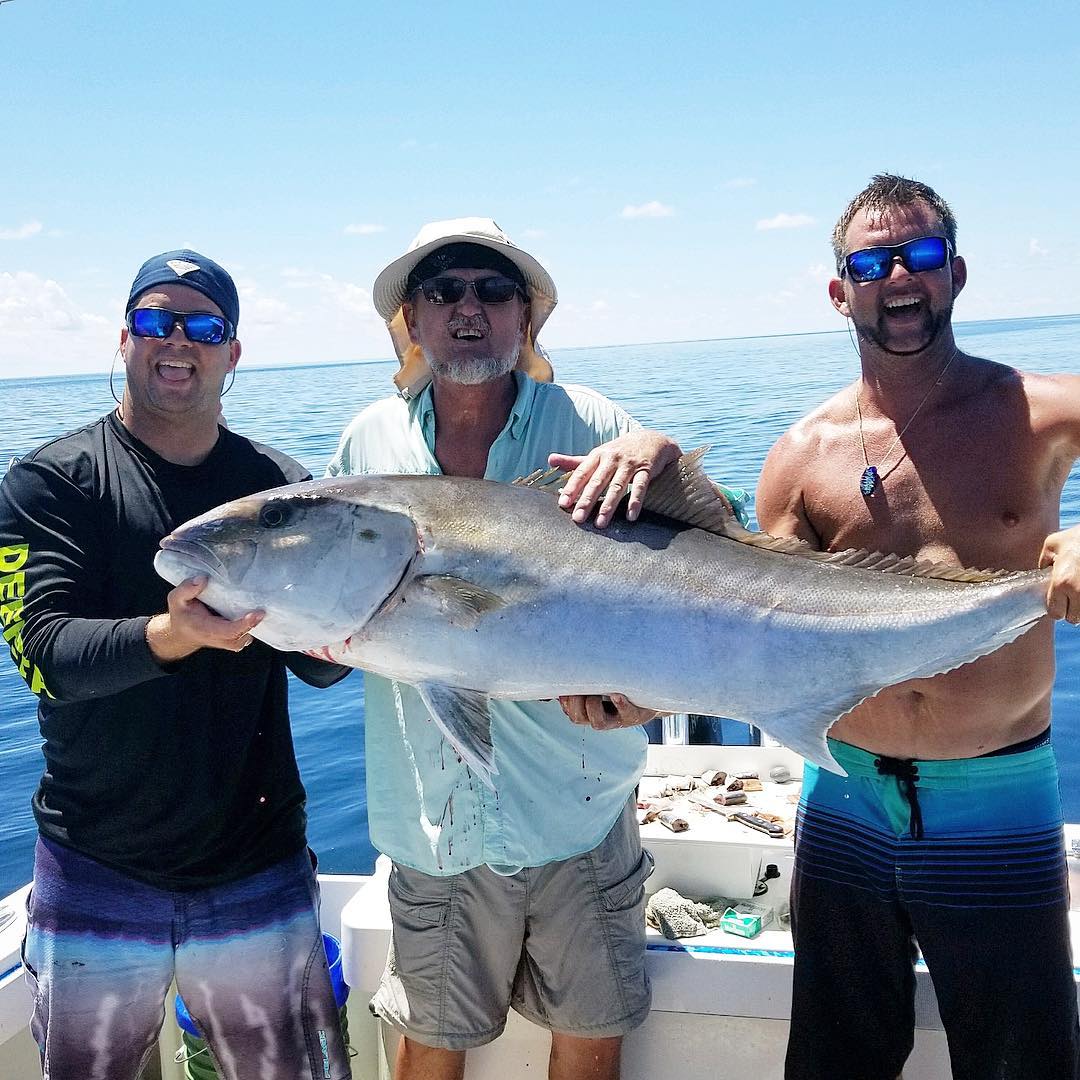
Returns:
(875, 263)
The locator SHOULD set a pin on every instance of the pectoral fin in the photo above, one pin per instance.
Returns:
(460, 601)
(465, 720)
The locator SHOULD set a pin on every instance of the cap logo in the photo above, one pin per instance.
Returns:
(181, 266)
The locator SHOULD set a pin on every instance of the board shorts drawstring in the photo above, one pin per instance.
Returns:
(907, 773)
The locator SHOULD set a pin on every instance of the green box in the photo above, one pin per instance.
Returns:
(745, 920)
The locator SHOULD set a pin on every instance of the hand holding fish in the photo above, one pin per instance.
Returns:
(1061, 552)
(189, 625)
(624, 464)
(605, 713)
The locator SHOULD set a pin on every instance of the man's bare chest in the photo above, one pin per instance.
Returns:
(951, 502)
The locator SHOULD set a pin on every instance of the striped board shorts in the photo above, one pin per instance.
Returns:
(102, 949)
(962, 860)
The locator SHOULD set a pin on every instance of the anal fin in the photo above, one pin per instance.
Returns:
(464, 718)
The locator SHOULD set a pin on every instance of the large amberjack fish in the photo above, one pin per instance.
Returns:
(470, 590)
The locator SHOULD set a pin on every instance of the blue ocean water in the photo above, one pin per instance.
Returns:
(736, 395)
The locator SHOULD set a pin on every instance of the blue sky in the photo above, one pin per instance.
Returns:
(677, 167)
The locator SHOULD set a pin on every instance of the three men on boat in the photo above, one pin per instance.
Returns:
(946, 832)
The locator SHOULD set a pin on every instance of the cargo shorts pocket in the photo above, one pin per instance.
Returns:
(420, 938)
(412, 910)
(628, 893)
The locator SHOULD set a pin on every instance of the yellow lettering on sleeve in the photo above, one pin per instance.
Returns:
(37, 684)
(12, 586)
(13, 557)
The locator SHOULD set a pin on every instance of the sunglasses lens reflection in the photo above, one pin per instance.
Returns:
(443, 290)
(152, 322)
(923, 253)
(871, 264)
(926, 253)
(200, 327)
(449, 290)
(205, 329)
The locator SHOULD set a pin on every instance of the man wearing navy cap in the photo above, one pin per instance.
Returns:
(170, 813)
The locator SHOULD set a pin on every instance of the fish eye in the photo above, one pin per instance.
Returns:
(274, 515)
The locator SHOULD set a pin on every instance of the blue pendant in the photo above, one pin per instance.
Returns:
(869, 482)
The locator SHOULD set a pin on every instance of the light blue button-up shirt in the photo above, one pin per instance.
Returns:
(560, 787)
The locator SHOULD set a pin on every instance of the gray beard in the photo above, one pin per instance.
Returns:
(477, 369)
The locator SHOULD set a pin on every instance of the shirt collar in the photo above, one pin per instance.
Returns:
(422, 409)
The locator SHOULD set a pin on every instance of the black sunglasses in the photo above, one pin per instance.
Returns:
(449, 290)
(922, 253)
(199, 326)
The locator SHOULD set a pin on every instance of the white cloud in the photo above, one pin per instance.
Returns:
(306, 315)
(31, 304)
(23, 232)
(785, 221)
(1035, 248)
(39, 319)
(739, 182)
(48, 328)
(343, 295)
(821, 272)
(364, 230)
(258, 309)
(652, 209)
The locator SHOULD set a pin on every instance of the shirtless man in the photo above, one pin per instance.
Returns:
(947, 828)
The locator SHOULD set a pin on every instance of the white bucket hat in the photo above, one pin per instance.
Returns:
(391, 291)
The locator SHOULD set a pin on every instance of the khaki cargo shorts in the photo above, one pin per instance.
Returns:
(562, 944)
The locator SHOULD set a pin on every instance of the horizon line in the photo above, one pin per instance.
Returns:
(292, 365)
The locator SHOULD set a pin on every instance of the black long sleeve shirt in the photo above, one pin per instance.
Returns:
(182, 776)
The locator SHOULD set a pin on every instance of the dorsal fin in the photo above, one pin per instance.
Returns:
(684, 493)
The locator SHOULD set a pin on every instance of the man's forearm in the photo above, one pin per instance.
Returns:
(80, 659)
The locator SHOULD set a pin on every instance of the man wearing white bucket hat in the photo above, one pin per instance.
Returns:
(529, 896)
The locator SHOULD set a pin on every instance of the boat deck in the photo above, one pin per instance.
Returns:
(716, 998)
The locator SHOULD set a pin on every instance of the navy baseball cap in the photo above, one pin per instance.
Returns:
(189, 268)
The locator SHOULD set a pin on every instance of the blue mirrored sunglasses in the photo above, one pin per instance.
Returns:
(922, 253)
(198, 326)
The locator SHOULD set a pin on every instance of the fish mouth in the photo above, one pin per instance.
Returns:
(198, 556)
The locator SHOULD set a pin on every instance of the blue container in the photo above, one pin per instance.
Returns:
(337, 976)
(183, 1018)
(337, 981)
